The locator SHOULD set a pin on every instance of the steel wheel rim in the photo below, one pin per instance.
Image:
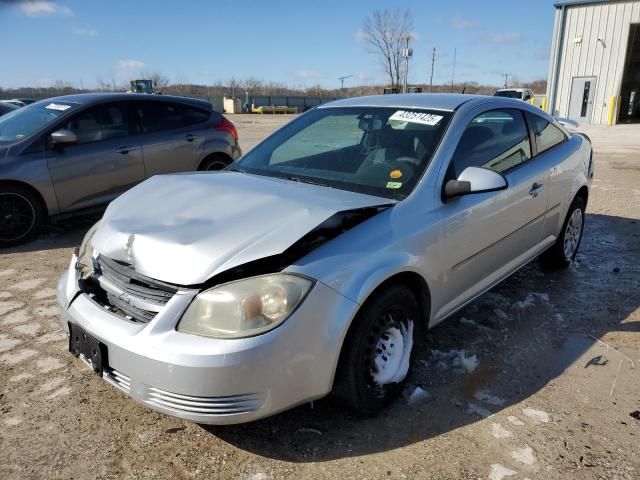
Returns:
(572, 234)
(17, 217)
(385, 331)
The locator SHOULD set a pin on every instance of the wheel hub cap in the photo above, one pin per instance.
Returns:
(388, 355)
(572, 234)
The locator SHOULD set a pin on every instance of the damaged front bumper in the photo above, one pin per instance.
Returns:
(214, 381)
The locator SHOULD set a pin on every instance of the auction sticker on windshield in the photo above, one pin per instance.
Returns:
(416, 117)
(58, 106)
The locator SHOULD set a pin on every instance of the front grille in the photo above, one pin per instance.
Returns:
(118, 287)
(244, 403)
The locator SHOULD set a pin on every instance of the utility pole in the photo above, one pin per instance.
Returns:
(433, 61)
(342, 79)
(453, 73)
(406, 53)
(506, 79)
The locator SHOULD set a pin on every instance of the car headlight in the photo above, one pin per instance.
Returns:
(245, 308)
(85, 252)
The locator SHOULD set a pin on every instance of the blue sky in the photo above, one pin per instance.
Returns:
(300, 43)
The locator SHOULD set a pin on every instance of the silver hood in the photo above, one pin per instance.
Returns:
(185, 228)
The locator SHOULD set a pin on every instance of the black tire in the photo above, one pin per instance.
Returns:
(561, 254)
(214, 162)
(21, 215)
(394, 307)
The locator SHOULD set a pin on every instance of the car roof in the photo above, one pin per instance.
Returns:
(512, 89)
(434, 101)
(90, 98)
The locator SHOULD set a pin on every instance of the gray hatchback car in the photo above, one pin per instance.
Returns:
(74, 153)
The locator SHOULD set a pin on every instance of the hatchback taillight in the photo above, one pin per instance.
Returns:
(226, 126)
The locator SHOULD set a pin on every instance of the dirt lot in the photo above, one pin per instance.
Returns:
(551, 397)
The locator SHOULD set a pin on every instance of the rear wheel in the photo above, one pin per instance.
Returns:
(562, 253)
(376, 355)
(21, 215)
(214, 162)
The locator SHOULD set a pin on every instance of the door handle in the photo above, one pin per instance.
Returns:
(124, 150)
(535, 189)
(189, 137)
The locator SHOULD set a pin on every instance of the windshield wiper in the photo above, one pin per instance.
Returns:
(305, 180)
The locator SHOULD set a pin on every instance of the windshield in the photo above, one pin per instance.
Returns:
(508, 94)
(377, 151)
(24, 121)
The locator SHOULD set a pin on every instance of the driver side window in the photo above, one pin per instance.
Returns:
(497, 140)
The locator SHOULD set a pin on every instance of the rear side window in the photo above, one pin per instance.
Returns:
(497, 140)
(547, 135)
(193, 116)
(159, 116)
(101, 122)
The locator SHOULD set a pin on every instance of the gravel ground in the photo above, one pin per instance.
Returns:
(551, 395)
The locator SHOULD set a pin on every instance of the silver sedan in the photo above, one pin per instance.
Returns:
(311, 264)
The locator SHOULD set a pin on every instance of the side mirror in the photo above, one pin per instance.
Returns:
(475, 180)
(63, 137)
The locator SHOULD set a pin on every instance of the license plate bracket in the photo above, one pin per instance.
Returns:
(92, 351)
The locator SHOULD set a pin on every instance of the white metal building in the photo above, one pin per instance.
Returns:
(594, 68)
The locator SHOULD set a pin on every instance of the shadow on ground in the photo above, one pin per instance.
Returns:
(525, 333)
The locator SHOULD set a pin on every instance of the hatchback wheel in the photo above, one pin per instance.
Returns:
(20, 216)
(213, 163)
(376, 355)
(562, 253)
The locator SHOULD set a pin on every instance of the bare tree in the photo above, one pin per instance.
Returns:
(233, 86)
(385, 33)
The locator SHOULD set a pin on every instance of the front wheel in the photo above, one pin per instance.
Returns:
(562, 253)
(21, 216)
(376, 355)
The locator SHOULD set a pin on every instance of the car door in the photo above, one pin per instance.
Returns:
(170, 137)
(547, 137)
(102, 164)
(488, 235)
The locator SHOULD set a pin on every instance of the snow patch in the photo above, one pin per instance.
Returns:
(19, 316)
(417, 395)
(27, 284)
(6, 307)
(7, 272)
(49, 311)
(499, 472)
(536, 415)
(20, 377)
(28, 329)
(45, 293)
(395, 374)
(8, 343)
(58, 393)
(531, 299)
(498, 431)
(12, 421)
(524, 455)
(486, 397)
(257, 476)
(52, 384)
(47, 364)
(19, 356)
(6, 295)
(52, 337)
(457, 358)
(515, 421)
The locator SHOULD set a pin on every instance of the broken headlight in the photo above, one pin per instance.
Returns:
(85, 252)
(246, 307)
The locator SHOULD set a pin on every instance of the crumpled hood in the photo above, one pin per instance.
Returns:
(185, 228)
